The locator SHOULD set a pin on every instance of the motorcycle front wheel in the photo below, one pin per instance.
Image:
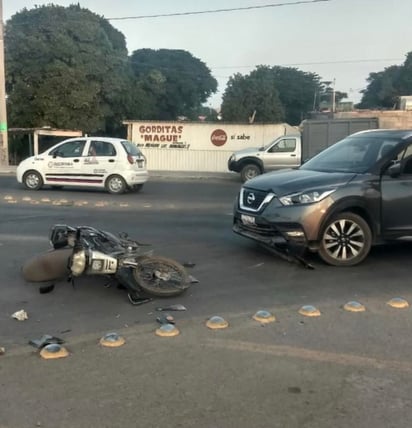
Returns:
(161, 276)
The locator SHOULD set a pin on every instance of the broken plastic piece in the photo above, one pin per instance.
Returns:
(193, 280)
(46, 289)
(189, 264)
(165, 319)
(20, 315)
(177, 307)
(138, 300)
(45, 340)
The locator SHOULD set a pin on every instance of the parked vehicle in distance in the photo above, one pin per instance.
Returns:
(289, 151)
(114, 164)
(354, 194)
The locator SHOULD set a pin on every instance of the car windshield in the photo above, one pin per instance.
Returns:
(356, 154)
(131, 148)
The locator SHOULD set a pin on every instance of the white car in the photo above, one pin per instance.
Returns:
(114, 164)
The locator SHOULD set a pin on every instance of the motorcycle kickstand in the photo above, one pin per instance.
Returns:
(135, 300)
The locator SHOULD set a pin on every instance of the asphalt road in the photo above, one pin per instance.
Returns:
(336, 370)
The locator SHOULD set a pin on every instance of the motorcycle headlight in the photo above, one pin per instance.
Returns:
(306, 197)
(78, 263)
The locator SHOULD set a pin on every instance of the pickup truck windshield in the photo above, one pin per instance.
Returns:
(357, 154)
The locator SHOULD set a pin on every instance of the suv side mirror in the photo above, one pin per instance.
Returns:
(394, 170)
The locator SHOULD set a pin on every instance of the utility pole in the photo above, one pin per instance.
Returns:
(333, 97)
(4, 145)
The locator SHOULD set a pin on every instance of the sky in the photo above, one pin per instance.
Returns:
(340, 40)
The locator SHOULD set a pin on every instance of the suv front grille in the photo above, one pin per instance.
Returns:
(253, 200)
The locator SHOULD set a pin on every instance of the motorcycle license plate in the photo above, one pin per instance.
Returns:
(248, 219)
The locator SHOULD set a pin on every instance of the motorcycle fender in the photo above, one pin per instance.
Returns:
(48, 266)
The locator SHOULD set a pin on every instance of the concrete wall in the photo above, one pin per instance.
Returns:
(206, 147)
(388, 119)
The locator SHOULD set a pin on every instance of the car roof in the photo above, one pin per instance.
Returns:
(105, 139)
(389, 133)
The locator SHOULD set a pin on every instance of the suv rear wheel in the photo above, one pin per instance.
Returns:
(346, 240)
(249, 171)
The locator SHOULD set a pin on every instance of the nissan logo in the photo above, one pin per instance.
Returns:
(251, 198)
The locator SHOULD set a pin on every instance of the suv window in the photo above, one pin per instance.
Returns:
(101, 148)
(69, 149)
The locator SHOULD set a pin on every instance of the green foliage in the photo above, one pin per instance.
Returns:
(382, 90)
(252, 97)
(385, 87)
(296, 92)
(168, 83)
(65, 68)
(275, 93)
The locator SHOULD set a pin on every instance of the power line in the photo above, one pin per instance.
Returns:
(200, 12)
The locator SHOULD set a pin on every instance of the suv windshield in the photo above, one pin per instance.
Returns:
(356, 154)
(131, 149)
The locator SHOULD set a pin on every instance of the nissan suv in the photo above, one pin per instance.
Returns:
(354, 194)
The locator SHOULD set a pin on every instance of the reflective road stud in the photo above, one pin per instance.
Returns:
(354, 307)
(53, 351)
(398, 303)
(112, 340)
(216, 322)
(264, 317)
(309, 311)
(167, 330)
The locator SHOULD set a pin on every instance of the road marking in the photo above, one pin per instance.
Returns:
(10, 237)
(312, 355)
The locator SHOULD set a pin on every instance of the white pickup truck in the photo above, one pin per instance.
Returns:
(289, 151)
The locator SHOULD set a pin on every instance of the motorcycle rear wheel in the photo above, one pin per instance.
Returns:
(161, 276)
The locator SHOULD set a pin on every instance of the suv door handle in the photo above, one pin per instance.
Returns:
(111, 160)
(75, 160)
(293, 155)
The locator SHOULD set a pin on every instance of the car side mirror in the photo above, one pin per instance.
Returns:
(394, 170)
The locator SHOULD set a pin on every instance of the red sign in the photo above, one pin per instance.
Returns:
(218, 137)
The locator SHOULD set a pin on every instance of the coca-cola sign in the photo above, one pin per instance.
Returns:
(218, 137)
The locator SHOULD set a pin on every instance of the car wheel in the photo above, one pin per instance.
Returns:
(346, 240)
(32, 180)
(249, 171)
(115, 184)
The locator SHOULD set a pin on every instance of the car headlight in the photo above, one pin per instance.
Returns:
(305, 197)
(78, 263)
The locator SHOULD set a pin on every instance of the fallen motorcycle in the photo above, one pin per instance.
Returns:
(85, 250)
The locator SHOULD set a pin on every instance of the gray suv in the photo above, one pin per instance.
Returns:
(355, 194)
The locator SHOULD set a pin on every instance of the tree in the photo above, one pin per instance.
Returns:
(382, 90)
(65, 68)
(176, 83)
(385, 87)
(276, 93)
(297, 90)
(252, 97)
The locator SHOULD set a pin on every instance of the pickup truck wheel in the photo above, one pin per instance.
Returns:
(346, 240)
(249, 171)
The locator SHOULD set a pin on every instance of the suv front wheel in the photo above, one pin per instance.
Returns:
(346, 240)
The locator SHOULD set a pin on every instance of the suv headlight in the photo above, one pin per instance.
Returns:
(306, 197)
